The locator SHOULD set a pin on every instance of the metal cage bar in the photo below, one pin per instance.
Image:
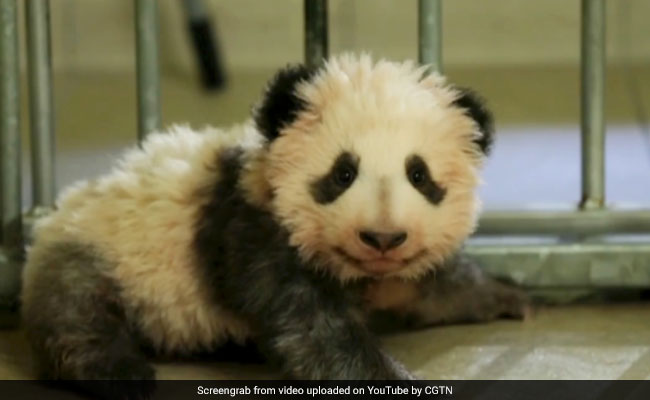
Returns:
(592, 222)
(316, 35)
(592, 103)
(148, 71)
(10, 122)
(41, 104)
(568, 265)
(11, 229)
(430, 33)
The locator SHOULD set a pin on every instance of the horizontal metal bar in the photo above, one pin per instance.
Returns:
(148, 69)
(592, 98)
(316, 32)
(573, 265)
(40, 102)
(430, 33)
(592, 222)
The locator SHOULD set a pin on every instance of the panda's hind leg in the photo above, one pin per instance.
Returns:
(76, 323)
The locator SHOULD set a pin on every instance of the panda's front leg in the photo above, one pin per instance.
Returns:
(319, 343)
(459, 292)
(308, 324)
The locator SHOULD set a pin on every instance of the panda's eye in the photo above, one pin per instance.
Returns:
(337, 180)
(417, 176)
(344, 175)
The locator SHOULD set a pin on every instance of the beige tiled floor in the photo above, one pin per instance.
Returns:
(576, 342)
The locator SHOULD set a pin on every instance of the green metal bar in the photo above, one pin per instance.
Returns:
(40, 102)
(592, 222)
(430, 33)
(10, 123)
(148, 71)
(592, 97)
(11, 230)
(571, 265)
(316, 36)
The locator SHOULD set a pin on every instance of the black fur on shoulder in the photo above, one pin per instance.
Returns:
(280, 104)
(475, 108)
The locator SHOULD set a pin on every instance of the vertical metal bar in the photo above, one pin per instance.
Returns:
(430, 33)
(40, 102)
(592, 97)
(10, 163)
(148, 72)
(316, 36)
(11, 224)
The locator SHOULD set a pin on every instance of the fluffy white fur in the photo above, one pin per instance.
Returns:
(141, 216)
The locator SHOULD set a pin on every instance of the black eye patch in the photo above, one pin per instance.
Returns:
(419, 176)
(339, 178)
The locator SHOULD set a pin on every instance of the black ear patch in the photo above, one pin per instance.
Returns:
(476, 109)
(280, 105)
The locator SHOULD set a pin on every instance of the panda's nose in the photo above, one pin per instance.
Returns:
(382, 241)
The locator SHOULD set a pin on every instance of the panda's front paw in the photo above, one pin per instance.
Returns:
(127, 377)
(501, 300)
(133, 378)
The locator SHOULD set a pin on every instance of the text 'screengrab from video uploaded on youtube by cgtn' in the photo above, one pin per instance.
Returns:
(267, 389)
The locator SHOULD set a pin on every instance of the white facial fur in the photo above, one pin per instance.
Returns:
(382, 113)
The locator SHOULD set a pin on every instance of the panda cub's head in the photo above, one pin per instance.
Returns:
(373, 166)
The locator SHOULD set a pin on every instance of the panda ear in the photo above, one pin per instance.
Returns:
(475, 108)
(280, 103)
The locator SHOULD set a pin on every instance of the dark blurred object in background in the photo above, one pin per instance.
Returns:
(206, 45)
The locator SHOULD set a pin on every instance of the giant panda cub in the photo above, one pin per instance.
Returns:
(344, 202)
